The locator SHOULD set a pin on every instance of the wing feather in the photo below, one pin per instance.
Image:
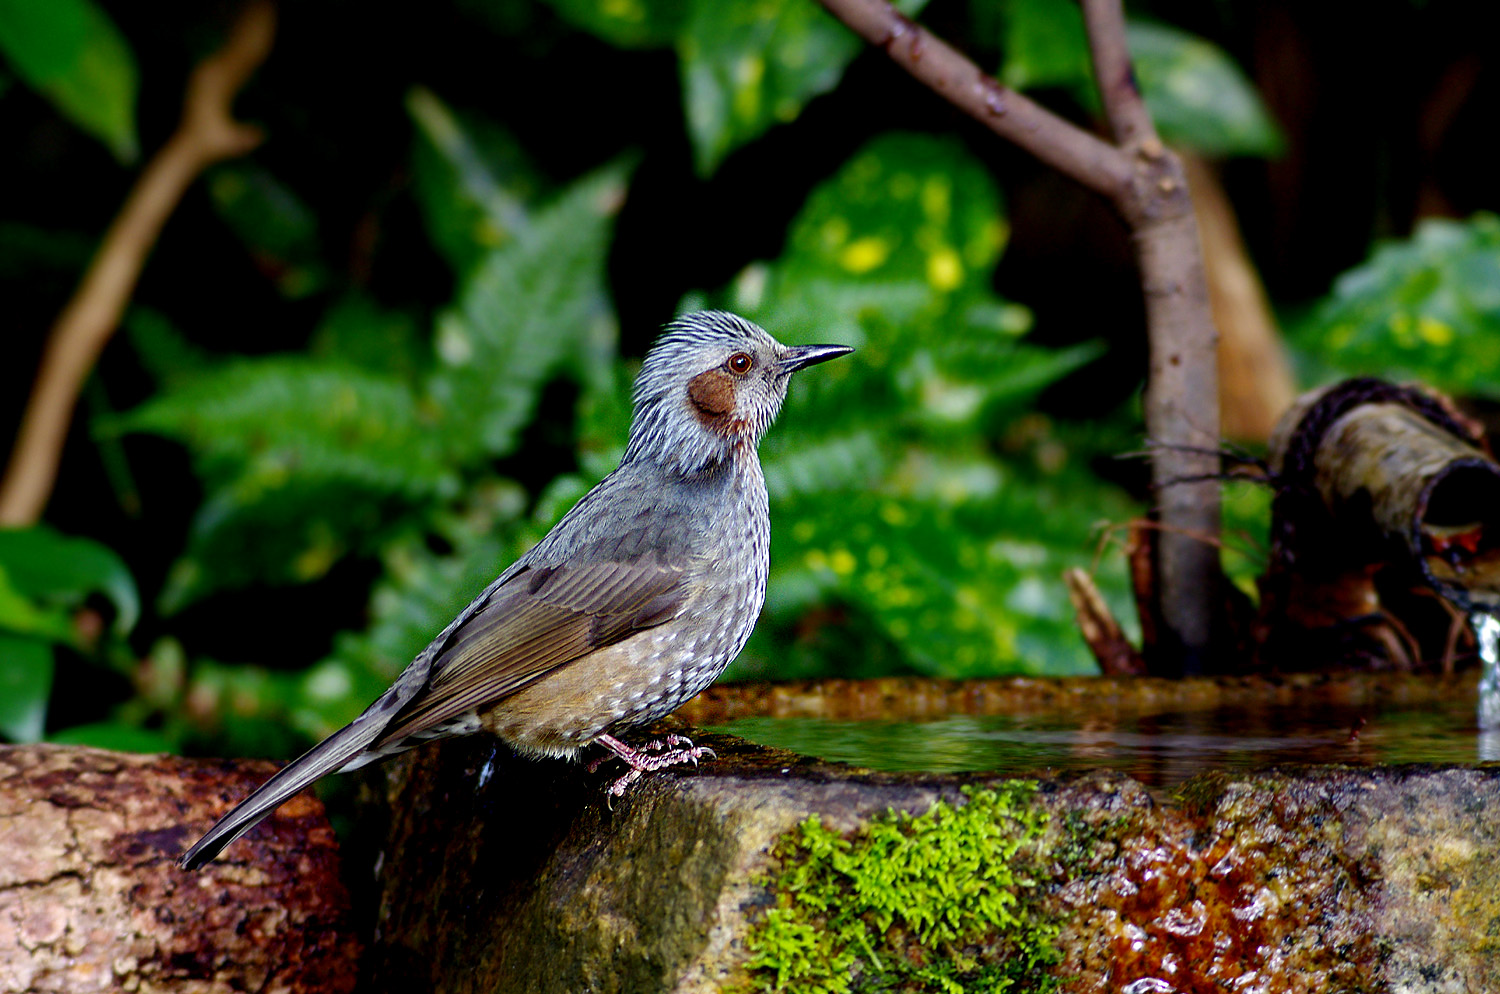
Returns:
(540, 619)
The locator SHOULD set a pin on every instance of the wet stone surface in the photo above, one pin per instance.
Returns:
(765, 870)
(1311, 879)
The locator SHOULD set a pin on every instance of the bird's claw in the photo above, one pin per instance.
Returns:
(618, 788)
(658, 754)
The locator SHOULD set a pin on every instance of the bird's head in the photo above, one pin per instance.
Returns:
(711, 384)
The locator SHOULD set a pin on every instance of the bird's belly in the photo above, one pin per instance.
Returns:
(633, 682)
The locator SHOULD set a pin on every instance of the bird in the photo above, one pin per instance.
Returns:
(636, 600)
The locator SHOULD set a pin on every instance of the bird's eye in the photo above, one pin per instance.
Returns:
(740, 363)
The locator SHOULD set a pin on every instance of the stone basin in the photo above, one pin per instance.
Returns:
(1160, 732)
(1152, 839)
(1143, 877)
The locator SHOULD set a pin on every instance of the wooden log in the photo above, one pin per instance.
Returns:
(91, 899)
(1380, 489)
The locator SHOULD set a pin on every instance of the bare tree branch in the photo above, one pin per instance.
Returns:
(207, 134)
(1128, 120)
(1011, 115)
(1145, 182)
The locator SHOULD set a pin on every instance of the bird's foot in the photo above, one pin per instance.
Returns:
(655, 755)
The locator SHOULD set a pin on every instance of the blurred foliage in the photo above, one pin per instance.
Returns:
(70, 51)
(910, 518)
(278, 230)
(308, 458)
(45, 581)
(924, 506)
(472, 179)
(1425, 308)
(628, 23)
(747, 64)
(1197, 95)
(895, 512)
(1246, 533)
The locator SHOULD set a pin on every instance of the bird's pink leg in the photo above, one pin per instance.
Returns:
(655, 755)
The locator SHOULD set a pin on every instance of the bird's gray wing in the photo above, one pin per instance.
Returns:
(546, 610)
(541, 618)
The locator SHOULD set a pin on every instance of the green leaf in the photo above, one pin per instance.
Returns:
(25, 684)
(964, 572)
(604, 424)
(356, 329)
(1246, 533)
(749, 64)
(55, 569)
(278, 529)
(22, 615)
(904, 208)
(30, 252)
(278, 229)
(627, 23)
(473, 181)
(42, 41)
(1198, 96)
(71, 52)
(248, 709)
(1426, 308)
(530, 309)
(162, 349)
(894, 255)
(1044, 44)
(307, 459)
(261, 422)
(304, 460)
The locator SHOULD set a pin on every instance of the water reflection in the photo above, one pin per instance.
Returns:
(1159, 749)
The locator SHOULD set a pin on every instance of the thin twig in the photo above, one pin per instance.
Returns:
(206, 134)
(1228, 452)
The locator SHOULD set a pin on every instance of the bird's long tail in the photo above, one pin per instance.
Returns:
(333, 753)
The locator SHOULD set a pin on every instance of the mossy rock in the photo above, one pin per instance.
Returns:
(765, 871)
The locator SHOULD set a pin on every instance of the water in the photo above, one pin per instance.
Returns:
(1487, 632)
(1159, 749)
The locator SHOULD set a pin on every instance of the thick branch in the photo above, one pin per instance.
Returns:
(207, 134)
(951, 74)
(1145, 182)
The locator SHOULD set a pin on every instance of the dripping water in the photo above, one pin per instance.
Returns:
(1487, 631)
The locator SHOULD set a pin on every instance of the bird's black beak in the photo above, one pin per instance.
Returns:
(801, 356)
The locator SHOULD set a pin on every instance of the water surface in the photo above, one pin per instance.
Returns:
(1160, 749)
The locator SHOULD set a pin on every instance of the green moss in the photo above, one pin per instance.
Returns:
(931, 902)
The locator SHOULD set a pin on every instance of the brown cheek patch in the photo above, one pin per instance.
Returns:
(712, 394)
